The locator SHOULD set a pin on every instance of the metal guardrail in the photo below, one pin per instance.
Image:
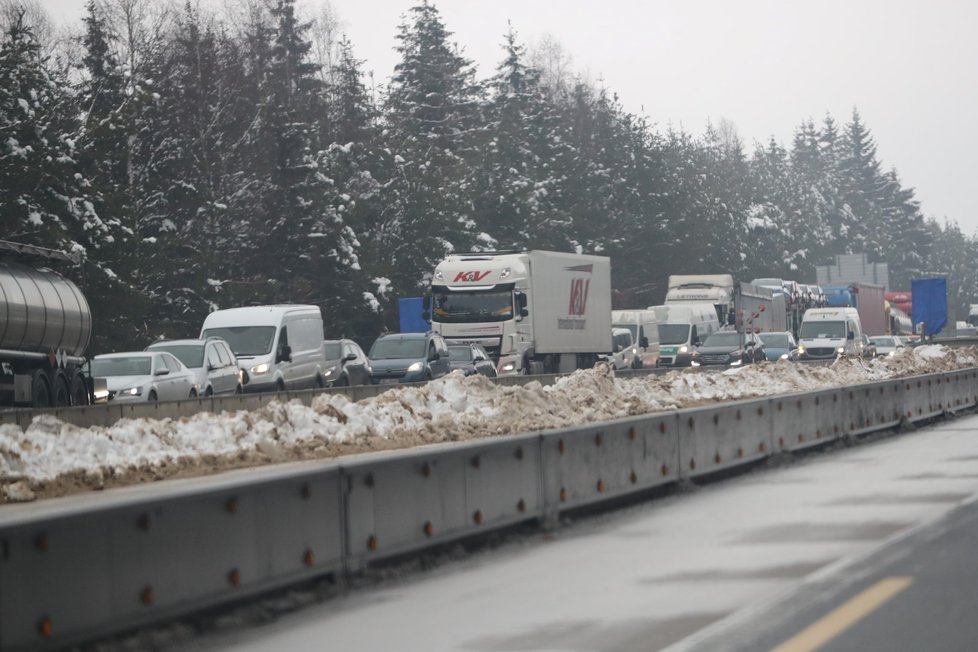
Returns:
(81, 567)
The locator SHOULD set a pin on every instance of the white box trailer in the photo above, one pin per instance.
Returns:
(716, 289)
(534, 311)
(759, 310)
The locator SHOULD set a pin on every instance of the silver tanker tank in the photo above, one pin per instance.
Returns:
(45, 326)
(41, 312)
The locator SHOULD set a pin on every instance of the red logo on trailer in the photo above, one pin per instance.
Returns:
(470, 277)
(578, 296)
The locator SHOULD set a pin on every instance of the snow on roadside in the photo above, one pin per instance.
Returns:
(53, 458)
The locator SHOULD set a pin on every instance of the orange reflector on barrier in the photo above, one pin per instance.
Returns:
(308, 558)
(234, 577)
(45, 628)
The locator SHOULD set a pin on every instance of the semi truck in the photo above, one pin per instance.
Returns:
(44, 331)
(716, 289)
(867, 299)
(533, 311)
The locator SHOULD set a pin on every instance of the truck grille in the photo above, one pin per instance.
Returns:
(821, 352)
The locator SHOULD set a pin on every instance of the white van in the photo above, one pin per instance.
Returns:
(278, 347)
(829, 332)
(645, 333)
(681, 329)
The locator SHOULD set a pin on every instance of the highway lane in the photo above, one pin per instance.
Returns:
(916, 593)
(695, 571)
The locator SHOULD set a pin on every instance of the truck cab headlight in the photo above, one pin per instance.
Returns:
(415, 366)
(260, 369)
(684, 349)
(509, 366)
(841, 349)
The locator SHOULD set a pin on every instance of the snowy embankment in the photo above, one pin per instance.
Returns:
(53, 458)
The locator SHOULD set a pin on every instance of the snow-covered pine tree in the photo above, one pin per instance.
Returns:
(433, 112)
(516, 183)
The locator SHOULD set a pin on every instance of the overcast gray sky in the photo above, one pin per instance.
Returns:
(764, 65)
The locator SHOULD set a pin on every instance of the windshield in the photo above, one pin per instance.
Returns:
(723, 339)
(134, 366)
(332, 350)
(775, 340)
(673, 333)
(245, 340)
(823, 329)
(776, 282)
(883, 341)
(191, 355)
(396, 348)
(460, 353)
(495, 305)
(633, 329)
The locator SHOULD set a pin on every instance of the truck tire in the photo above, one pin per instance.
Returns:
(79, 389)
(536, 368)
(40, 389)
(60, 394)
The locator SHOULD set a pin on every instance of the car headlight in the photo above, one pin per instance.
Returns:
(415, 366)
(841, 349)
(260, 369)
(784, 356)
(329, 372)
(509, 366)
(132, 391)
(684, 349)
(891, 354)
(801, 348)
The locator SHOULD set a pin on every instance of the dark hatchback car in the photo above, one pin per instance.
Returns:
(472, 359)
(408, 358)
(724, 347)
(346, 364)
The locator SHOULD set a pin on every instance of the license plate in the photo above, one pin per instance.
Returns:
(385, 381)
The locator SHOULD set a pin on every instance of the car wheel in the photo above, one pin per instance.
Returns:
(152, 396)
(239, 389)
(280, 385)
(342, 381)
(193, 393)
(208, 392)
(319, 381)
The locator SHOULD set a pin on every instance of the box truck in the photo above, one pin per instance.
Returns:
(716, 289)
(533, 311)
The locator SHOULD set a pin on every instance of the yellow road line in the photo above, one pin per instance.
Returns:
(844, 616)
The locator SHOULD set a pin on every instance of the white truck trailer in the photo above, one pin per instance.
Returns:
(759, 310)
(717, 289)
(534, 311)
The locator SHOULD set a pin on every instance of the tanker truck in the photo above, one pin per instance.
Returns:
(533, 311)
(45, 325)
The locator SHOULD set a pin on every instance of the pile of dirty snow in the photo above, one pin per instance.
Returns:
(52, 458)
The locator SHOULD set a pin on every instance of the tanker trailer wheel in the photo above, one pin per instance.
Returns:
(40, 389)
(62, 395)
(79, 389)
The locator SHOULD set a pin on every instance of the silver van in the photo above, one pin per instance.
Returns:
(279, 347)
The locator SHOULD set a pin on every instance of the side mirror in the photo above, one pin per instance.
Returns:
(697, 342)
(644, 342)
(349, 356)
(285, 354)
(426, 302)
(850, 335)
(162, 372)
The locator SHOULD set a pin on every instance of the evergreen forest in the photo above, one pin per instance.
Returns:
(197, 161)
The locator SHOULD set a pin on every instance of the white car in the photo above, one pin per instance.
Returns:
(211, 360)
(887, 345)
(144, 376)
